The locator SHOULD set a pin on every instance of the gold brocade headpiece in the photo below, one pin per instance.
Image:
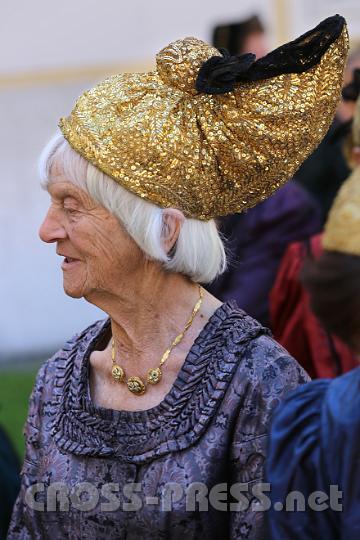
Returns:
(342, 230)
(208, 133)
(356, 124)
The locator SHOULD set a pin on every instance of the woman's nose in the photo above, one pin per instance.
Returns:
(51, 229)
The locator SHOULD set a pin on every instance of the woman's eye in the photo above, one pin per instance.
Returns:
(69, 211)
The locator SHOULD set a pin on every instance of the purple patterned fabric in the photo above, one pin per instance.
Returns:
(211, 428)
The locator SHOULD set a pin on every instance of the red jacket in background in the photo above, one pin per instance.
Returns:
(296, 327)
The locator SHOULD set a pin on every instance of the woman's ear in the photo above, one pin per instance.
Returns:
(171, 226)
(355, 155)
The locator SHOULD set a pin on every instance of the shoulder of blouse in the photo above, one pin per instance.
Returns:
(269, 362)
(270, 374)
(48, 386)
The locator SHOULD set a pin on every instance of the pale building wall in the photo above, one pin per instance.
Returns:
(42, 34)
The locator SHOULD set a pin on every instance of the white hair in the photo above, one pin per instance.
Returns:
(199, 251)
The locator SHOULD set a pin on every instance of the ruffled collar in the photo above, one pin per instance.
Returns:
(82, 428)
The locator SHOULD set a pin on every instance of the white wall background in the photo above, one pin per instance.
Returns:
(41, 41)
(305, 13)
(43, 33)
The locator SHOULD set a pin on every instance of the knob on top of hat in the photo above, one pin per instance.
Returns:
(178, 64)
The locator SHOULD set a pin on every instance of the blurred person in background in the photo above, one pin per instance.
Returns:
(246, 36)
(346, 109)
(256, 242)
(292, 320)
(315, 435)
(174, 387)
(326, 169)
(9, 481)
(257, 239)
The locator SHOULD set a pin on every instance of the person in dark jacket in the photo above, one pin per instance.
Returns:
(314, 445)
(323, 173)
(257, 241)
(9, 481)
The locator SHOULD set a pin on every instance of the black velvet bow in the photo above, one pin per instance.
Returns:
(220, 73)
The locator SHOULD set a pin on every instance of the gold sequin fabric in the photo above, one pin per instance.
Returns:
(208, 155)
(342, 229)
(356, 125)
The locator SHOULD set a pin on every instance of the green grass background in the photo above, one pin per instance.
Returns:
(15, 389)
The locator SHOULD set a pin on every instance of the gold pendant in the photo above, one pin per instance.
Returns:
(154, 375)
(135, 385)
(118, 373)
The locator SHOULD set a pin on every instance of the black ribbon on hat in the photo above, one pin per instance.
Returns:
(220, 74)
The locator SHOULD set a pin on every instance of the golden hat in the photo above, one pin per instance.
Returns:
(208, 133)
(356, 124)
(342, 229)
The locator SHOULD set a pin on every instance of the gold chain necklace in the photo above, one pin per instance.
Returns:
(135, 384)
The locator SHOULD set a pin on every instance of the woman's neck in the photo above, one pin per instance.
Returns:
(147, 314)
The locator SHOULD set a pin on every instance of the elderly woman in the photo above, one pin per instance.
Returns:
(315, 438)
(153, 423)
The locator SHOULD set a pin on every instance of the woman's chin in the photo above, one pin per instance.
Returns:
(73, 290)
(73, 293)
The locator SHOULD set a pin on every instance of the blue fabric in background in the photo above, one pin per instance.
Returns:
(315, 443)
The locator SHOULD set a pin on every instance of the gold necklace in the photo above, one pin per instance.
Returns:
(135, 384)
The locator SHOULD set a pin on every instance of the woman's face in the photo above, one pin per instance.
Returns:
(98, 254)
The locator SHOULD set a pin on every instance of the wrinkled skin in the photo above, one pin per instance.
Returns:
(85, 231)
(148, 306)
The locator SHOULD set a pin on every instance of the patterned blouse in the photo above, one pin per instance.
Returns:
(187, 468)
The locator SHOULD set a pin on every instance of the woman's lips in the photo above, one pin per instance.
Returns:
(69, 263)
